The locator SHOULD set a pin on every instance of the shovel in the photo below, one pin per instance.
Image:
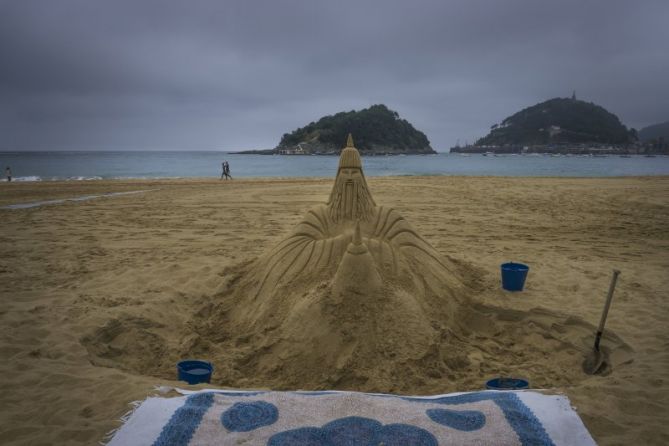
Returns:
(594, 361)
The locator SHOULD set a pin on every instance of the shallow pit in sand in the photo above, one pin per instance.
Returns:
(482, 342)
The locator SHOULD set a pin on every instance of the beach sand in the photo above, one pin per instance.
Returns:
(100, 298)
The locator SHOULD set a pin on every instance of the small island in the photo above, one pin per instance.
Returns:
(377, 130)
(561, 126)
(656, 137)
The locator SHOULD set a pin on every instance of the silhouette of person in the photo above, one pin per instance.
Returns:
(8, 172)
(226, 171)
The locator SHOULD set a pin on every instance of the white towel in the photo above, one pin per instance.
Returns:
(214, 417)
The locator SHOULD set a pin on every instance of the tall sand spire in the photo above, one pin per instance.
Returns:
(349, 141)
(357, 275)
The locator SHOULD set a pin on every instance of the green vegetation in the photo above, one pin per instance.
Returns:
(376, 129)
(559, 120)
(655, 132)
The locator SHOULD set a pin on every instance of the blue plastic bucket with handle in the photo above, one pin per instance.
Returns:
(513, 276)
(507, 384)
(194, 371)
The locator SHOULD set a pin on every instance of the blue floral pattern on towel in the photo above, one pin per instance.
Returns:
(179, 430)
(245, 417)
(529, 429)
(464, 420)
(355, 431)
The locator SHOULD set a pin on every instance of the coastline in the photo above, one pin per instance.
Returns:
(94, 166)
(13, 193)
(140, 263)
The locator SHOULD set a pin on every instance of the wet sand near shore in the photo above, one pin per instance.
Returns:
(98, 297)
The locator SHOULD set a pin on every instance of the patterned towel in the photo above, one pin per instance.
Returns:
(214, 417)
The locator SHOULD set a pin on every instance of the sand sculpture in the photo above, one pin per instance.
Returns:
(355, 299)
(324, 244)
(352, 287)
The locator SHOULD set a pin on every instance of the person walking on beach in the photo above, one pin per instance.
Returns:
(8, 172)
(226, 171)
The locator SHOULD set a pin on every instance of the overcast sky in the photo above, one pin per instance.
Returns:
(228, 75)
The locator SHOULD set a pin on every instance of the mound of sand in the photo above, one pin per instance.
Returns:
(354, 298)
(353, 293)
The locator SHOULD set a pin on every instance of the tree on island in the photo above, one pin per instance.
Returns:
(559, 120)
(376, 129)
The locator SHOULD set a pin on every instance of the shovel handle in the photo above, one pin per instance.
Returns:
(609, 298)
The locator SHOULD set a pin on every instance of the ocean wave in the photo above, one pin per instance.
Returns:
(33, 178)
(149, 177)
(29, 178)
(83, 178)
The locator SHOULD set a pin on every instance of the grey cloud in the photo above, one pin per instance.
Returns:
(238, 74)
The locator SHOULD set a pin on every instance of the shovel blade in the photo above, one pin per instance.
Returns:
(593, 362)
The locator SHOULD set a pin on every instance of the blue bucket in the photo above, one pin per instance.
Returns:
(513, 276)
(507, 384)
(194, 371)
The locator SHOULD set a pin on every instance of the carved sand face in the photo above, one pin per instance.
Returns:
(352, 179)
(350, 199)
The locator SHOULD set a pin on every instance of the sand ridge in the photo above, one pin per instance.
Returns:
(80, 281)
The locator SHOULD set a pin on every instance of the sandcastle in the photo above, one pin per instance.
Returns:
(355, 299)
(352, 285)
(323, 246)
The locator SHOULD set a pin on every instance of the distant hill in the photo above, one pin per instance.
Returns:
(376, 130)
(559, 120)
(654, 132)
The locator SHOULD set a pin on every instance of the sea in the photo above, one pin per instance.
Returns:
(99, 165)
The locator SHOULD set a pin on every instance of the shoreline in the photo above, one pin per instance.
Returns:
(58, 189)
(294, 177)
(95, 166)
